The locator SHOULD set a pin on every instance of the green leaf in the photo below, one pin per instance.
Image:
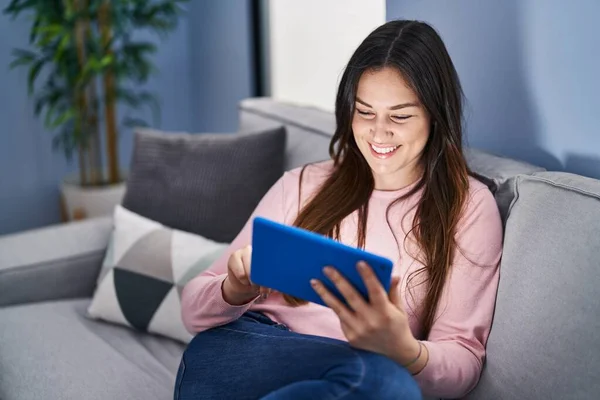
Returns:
(24, 53)
(139, 47)
(17, 6)
(50, 32)
(21, 61)
(94, 67)
(50, 98)
(106, 61)
(65, 139)
(63, 118)
(33, 74)
(50, 29)
(63, 45)
(22, 57)
(60, 113)
(33, 34)
(49, 113)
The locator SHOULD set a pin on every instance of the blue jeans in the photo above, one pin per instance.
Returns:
(255, 358)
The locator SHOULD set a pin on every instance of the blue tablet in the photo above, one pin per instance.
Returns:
(286, 258)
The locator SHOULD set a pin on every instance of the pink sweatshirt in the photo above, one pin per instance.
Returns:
(457, 339)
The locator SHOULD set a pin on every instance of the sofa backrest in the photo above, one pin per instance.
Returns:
(545, 339)
(309, 131)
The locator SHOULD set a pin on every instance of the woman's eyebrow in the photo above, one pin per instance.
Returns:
(396, 107)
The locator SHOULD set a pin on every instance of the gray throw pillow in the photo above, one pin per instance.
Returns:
(207, 184)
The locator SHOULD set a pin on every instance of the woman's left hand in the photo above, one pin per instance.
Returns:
(380, 324)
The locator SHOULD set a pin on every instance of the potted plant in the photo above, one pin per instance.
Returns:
(86, 54)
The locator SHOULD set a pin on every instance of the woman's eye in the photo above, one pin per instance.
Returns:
(401, 117)
(365, 113)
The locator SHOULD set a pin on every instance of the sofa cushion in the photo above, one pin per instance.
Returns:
(207, 184)
(52, 351)
(145, 269)
(310, 130)
(544, 342)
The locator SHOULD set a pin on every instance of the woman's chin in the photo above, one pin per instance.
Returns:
(380, 169)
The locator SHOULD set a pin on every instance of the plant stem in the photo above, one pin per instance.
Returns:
(109, 97)
(85, 145)
(95, 147)
(81, 104)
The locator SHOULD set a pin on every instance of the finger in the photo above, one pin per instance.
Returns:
(377, 294)
(343, 313)
(240, 274)
(354, 299)
(237, 268)
(246, 257)
(395, 292)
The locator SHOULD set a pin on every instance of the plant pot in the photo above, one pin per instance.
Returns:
(81, 202)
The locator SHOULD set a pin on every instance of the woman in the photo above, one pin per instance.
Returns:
(397, 185)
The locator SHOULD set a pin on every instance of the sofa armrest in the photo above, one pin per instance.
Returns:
(56, 262)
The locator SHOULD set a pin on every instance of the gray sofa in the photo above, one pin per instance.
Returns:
(545, 341)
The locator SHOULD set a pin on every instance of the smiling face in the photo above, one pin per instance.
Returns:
(390, 127)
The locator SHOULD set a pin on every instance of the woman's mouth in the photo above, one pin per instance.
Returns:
(383, 152)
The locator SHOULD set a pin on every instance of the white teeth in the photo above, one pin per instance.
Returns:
(383, 150)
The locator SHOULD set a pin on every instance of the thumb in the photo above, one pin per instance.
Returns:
(395, 292)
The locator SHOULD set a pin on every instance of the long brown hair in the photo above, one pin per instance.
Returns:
(419, 54)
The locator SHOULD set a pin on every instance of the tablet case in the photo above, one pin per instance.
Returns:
(286, 258)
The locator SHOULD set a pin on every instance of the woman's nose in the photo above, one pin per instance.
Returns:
(381, 131)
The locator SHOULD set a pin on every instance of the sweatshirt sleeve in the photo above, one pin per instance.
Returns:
(202, 302)
(459, 334)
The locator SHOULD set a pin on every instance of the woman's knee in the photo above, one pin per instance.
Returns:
(192, 366)
(386, 379)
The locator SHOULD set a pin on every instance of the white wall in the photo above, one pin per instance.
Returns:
(310, 42)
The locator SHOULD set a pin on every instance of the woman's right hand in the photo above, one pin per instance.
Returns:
(237, 287)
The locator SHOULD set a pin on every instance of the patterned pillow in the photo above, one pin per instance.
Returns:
(144, 270)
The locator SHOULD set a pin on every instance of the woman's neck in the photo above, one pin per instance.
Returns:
(398, 180)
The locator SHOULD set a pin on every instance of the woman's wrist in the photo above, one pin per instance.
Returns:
(412, 355)
(233, 298)
(408, 350)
